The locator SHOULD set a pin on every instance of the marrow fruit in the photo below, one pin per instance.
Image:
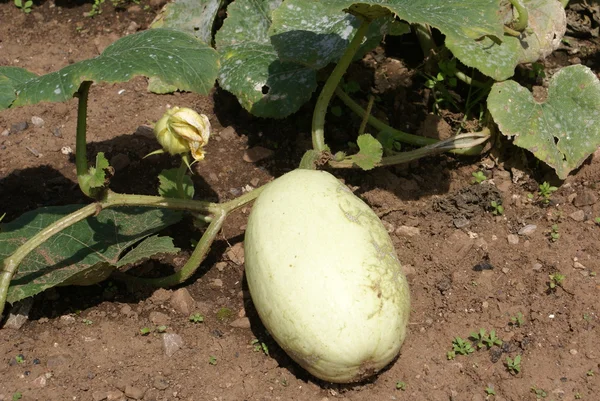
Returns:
(324, 277)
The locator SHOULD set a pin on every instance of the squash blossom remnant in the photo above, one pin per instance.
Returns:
(182, 130)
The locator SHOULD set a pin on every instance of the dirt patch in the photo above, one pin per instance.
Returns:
(467, 268)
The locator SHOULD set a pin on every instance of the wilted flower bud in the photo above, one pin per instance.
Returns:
(182, 130)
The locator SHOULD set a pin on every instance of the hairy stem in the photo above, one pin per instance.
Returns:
(363, 123)
(81, 161)
(471, 141)
(179, 179)
(522, 21)
(192, 263)
(318, 122)
(113, 199)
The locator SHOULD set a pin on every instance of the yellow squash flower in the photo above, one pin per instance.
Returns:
(181, 130)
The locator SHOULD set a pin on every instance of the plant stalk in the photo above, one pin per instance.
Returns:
(522, 21)
(179, 179)
(113, 199)
(470, 141)
(318, 122)
(81, 161)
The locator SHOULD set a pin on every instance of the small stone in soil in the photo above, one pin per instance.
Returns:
(19, 314)
(241, 323)
(586, 198)
(57, 133)
(171, 343)
(460, 222)
(256, 153)
(182, 301)
(161, 295)
(528, 229)
(37, 121)
(134, 392)
(216, 283)
(512, 239)
(18, 127)
(578, 215)
(228, 133)
(221, 266)
(160, 383)
(254, 182)
(408, 231)
(236, 254)
(159, 319)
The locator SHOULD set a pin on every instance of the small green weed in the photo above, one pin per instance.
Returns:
(24, 6)
(514, 365)
(554, 234)
(556, 280)
(460, 347)
(539, 393)
(589, 373)
(537, 71)
(260, 346)
(96, 8)
(20, 358)
(161, 329)
(478, 177)
(400, 385)
(545, 192)
(87, 322)
(17, 396)
(224, 314)
(596, 220)
(212, 360)
(145, 331)
(497, 208)
(196, 318)
(578, 396)
(489, 390)
(486, 340)
(517, 320)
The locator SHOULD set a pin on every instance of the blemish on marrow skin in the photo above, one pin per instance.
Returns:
(350, 217)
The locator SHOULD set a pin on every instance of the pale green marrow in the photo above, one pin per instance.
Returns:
(324, 277)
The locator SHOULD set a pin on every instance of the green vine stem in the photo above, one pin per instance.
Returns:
(179, 178)
(522, 21)
(402, 136)
(112, 199)
(318, 122)
(463, 141)
(81, 161)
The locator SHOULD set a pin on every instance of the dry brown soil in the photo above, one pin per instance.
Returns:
(467, 268)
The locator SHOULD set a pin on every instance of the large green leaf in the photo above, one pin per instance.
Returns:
(562, 131)
(92, 245)
(546, 27)
(192, 16)
(312, 34)
(177, 58)
(467, 18)
(10, 77)
(251, 70)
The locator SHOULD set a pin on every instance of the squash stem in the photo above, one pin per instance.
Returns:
(81, 161)
(318, 122)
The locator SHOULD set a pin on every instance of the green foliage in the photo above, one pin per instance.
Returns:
(196, 318)
(175, 57)
(489, 390)
(400, 385)
(260, 346)
(224, 314)
(545, 191)
(17, 396)
(539, 393)
(554, 234)
(517, 320)
(144, 331)
(212, 360)
(96, 9)
(96, 180)
(497, 208)
(167, 184)
(562, 131)
(514, 365)
(84, 253)
(478, 177)
(460, 347)
(24, 6)
(556, 280)
(369, 154)
(484, 339)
